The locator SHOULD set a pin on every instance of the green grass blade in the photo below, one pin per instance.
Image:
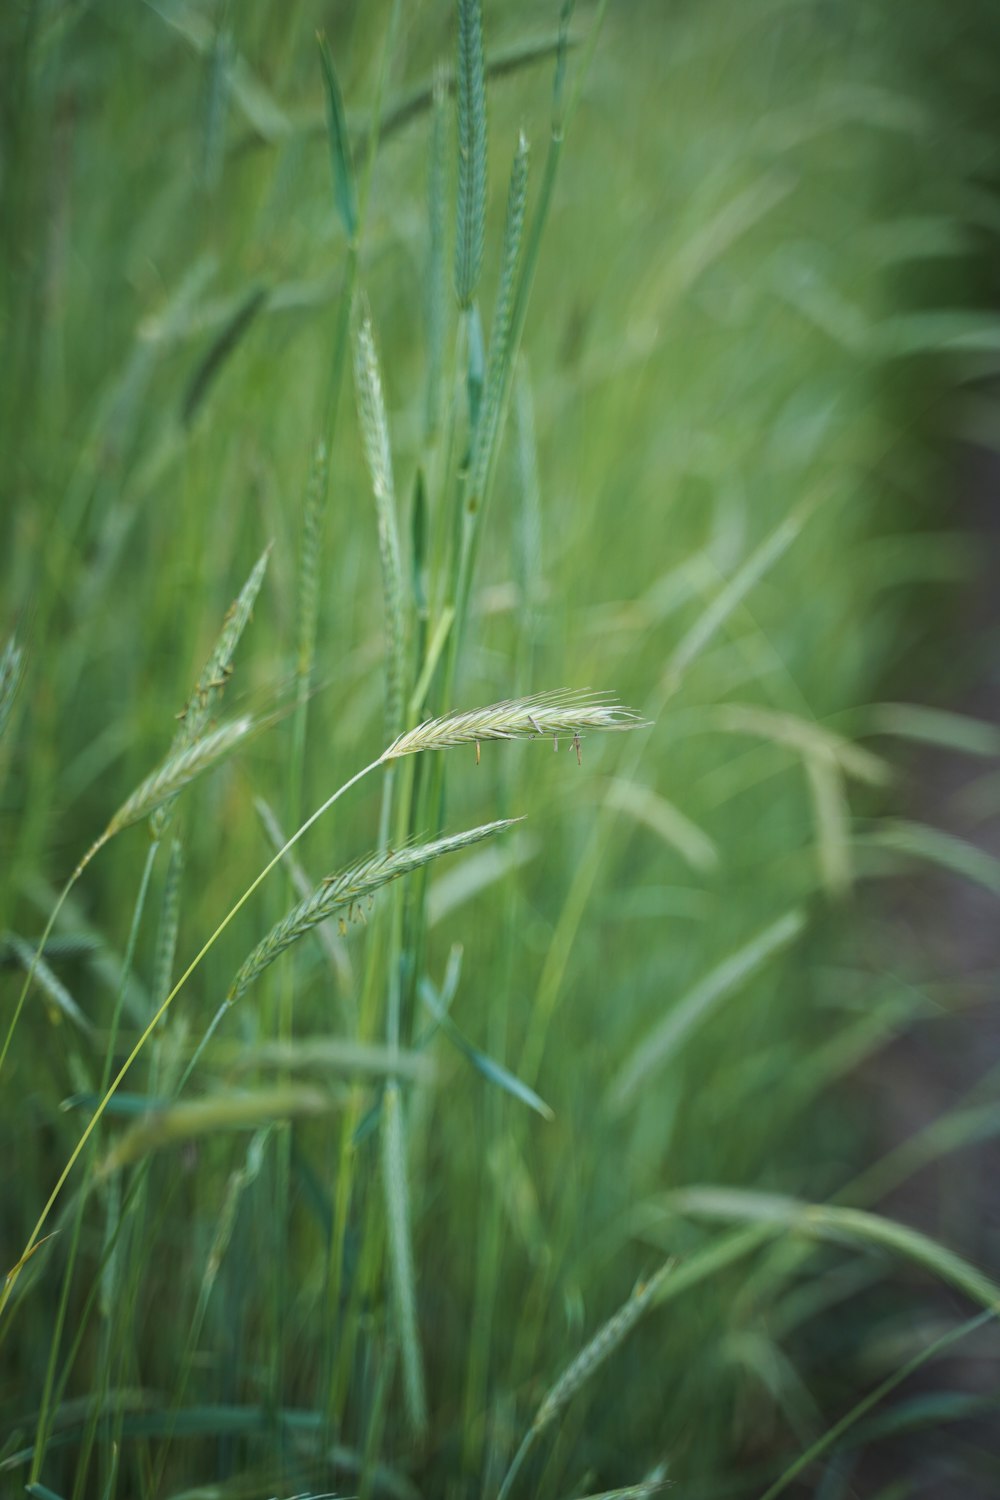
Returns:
(935, 847)
(491, 1070)
(396, 1182)
(662, 1043)
(863, 1407)
(344, 191)
(221, 349)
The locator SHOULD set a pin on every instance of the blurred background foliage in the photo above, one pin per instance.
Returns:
(727, 491)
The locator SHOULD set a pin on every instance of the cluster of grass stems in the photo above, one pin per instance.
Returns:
(357, 1289)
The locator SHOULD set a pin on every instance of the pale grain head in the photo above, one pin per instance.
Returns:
(180, 767)
(348, 889)
(557, 715)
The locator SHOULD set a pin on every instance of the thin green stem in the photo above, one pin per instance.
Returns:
(25, 988)
(43, 1424)
(157, 1017)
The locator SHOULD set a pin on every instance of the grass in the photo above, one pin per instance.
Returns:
(549, 1173)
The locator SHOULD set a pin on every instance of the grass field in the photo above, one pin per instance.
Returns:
(522, 376)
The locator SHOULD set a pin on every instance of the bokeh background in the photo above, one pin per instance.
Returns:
(746, 955)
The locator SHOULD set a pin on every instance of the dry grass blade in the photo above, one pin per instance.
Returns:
(561, 714)
(177, 770)
(349, 889)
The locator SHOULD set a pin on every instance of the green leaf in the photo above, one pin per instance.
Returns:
(495, 1072)
(344, 192)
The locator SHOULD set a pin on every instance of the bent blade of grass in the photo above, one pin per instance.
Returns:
(830, 1221)
(331, 1054)
(490, 1069)
(247, 1421)
(935, 726)
(833, 821)
(349, 888)
(663, 1041)
(194, 1119)
(732, 594)
(933, 846)
(476, 873)
(804, 737)
(665, 820)
(261, 110)
(951, 1132)
(499, 64)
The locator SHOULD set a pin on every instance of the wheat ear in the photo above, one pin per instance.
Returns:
(604, 1343)
(561, 714)
(349, 889)
(471, 97)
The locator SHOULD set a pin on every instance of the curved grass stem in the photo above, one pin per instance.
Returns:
(13, 1273)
